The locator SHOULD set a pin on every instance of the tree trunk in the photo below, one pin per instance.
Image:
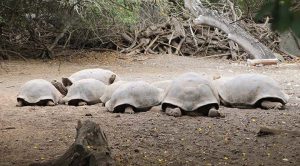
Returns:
(235, 33)
(89, 149)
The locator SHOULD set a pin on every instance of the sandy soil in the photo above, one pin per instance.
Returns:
(30, 134)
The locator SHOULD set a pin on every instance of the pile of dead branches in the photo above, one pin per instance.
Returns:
(30, 29)
(131, 27)
(179, 35)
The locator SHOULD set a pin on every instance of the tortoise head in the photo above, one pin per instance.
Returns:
(112, 79)
(60, 87)
(66, 82)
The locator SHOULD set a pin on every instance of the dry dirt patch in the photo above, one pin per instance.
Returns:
(150, 138)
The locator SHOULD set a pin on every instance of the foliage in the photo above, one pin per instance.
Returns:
(37, 26)
(285, 14)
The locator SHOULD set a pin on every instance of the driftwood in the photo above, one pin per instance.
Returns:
(234, 32)
(89, 149)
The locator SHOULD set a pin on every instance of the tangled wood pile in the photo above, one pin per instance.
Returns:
(181, 36)
(160, 27)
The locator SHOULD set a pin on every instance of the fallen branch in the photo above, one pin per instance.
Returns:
(179, 45)
(151, 43)
(127, 38)
(234, 32)
(254, 62)
(16, 53)
(136, 33)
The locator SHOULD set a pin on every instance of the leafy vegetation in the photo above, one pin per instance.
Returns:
(285, 15)
(37, 26)
(34, 28)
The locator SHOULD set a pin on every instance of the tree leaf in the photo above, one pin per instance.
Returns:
(282, 15)
(265, 10)
(296, 23)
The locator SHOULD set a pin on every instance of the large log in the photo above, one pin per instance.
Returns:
(235, 33)
(89, 149)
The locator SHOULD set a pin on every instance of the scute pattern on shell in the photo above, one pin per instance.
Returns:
(88, 90)
(138, 94)
(191, 91)
(162, 84)
(96, 73)
(36, 90)
(246, 90)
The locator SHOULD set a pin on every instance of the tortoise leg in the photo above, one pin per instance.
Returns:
(129, 110)
(213, 113)
(271, 105)
(20, 103)
(61, 101)
(176, 112)
(50, 103)
(82, 103)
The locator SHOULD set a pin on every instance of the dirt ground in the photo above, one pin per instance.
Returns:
(31, 134)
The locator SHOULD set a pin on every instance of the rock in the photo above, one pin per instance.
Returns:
(289, 44)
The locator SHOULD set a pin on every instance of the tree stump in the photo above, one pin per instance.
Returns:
(89, 149)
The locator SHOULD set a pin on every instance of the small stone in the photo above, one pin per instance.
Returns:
(117, 116)
(136, 150)
(88, 114)
(215, 77)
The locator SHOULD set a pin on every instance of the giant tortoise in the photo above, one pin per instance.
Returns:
(134, 97)
(165, 84)
(110, 89)
(85, 92)
(38, 92)
(105, 76)
(250, 91)
(190, 94)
